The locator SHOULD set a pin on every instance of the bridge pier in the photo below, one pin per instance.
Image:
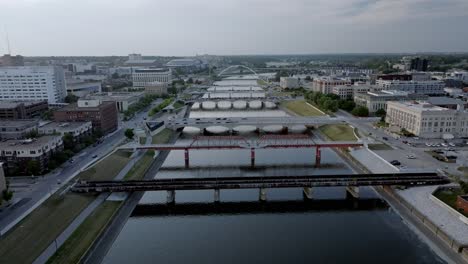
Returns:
(353, 191)
(307, 192)
(318, 154)
(216, 195)
(262, 195)
(170, 196)
(252, 158)
(187, 158)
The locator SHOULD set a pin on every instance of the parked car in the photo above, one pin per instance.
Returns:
(395, 162)
(411, 156)
(385, 138)
(451, 144)
(94, 156)
(444, 145)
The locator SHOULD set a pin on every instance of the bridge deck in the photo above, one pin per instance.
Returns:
(408, 179)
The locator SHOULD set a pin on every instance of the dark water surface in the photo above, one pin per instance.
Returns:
(332, 229)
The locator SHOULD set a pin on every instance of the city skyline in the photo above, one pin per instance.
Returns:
(186, 28)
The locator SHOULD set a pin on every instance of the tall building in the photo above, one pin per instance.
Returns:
(426, 120)
(417, 87)
(415, 63)
(33, 83)
(145, 77)
(8, 60)
(103, 115)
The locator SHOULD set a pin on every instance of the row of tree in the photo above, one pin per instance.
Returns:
(332, 102)
(161, 106)
(144, 102)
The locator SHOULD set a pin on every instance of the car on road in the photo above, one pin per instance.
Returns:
(71, 161)
(411, 156)
(94, 156)
(385, 138)
(395, 162)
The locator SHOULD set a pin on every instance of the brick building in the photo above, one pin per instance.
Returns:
(103, 115)
(22, 109)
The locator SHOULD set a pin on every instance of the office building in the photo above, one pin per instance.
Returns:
(426, 120)
(144, 77)
(158, 88)
(22, 109)
(76, 129)
(378, 99)
(17, 129)
(103, 115)
(122, 99)
(415, 63)
(8, 60)
(187, 64)
(33, 83)
(417, 87)
(16, 154)
(82, 88)
(289, 82)
(325, 85)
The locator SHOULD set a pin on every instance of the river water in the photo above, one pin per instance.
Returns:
(330, 229)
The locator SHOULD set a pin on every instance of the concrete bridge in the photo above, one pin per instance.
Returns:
(230, 122)
(351, 181)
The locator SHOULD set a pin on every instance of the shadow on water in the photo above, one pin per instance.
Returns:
(269, 207)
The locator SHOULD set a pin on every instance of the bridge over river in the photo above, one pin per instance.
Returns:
(351, 181)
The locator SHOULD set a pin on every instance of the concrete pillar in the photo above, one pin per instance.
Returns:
(171, 196)
(252, 158)
(353, 191)
(307, 192)
(216, 196)
(262, 195)
(318, 154)
(187, 158)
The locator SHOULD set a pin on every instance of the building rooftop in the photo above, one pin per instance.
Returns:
(420, 106)
(13, 104)
(75, 107)
(26, 144)
(19, 123)
(112, 96)
(155, 70)
(65, 126)
(444, 100)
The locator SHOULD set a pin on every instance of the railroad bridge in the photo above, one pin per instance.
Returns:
(238, 142)
(351, 181)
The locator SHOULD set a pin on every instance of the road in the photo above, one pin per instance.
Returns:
(30, 193)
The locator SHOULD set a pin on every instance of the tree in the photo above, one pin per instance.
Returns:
(381, 112)
(115, 75)
(346, 105)
(68, 142)
(190, 80)
(71, 98)
(129, 133)
(361, 111)
(32, 134)
(7, 195)
(307, 78)
(33, 167)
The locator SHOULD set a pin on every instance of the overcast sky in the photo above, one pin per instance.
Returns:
(190, 27)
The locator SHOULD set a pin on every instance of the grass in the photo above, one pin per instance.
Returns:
(178, 105)
(29, 238)
(450, 197)
(464, 170)
(83, 237)
(379, 147)
(162, 137)
(302, 108)
(338, 132)
(108, 168)
(139, 169)
(261, 82)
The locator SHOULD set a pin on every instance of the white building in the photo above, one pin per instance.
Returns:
(417, 87)
(460, 75)
(346, 92)
(426, 120)
(33, 83)
(144, 77)
(378, 99)
(82, 88)
(122, 99)
(289, 82)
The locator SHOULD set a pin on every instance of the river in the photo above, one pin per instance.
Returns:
(330, 229)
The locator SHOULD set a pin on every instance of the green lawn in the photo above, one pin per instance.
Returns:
(301, 108)
(450, 198)
(261, 82)
(338, 132)
(28, 239)
(108, 168)
(139, 169)
(178, 105)
(162, 137)
(83, 237)
(142, 140)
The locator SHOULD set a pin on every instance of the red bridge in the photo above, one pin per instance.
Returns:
(238, 142)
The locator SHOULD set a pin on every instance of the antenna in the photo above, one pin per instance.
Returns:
(7, 40)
